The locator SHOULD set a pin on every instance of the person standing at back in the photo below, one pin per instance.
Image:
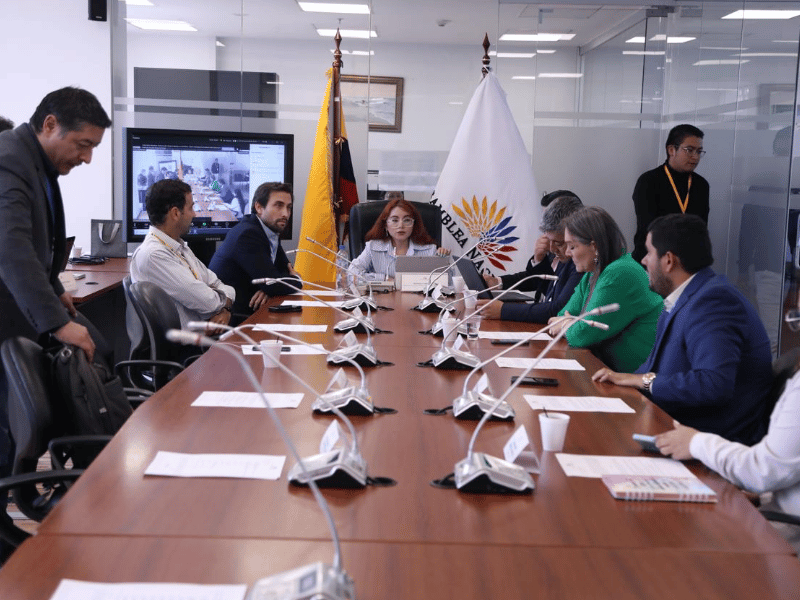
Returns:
(673, 187)
(63, 132)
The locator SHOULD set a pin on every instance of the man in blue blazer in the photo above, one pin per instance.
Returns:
(711, 366)
(252, 250)
(549, 259)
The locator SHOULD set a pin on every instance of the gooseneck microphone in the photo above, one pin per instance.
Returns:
(325, 581)
(451, 358)
(482, 473)
(364, 354)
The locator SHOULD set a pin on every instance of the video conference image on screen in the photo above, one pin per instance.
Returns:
(219, 169)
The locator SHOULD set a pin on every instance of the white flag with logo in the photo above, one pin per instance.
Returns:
(486, 191)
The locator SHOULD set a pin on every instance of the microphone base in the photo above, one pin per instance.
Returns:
(335, 469)
(316, 581)
(349, 400)
(472, 407)
(485, 474)
(353, 325)
(362, 303)
(454, 359)
(361, 353)
(429, 305)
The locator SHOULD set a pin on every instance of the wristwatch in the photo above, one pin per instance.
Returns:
(647, 381)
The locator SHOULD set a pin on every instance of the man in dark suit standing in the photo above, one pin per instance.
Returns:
(252, 250)
(66, 127)
(710, 367)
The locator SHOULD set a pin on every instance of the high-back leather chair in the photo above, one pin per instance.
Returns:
(364, 214)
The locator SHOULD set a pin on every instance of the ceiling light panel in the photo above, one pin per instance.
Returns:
(160, 25)
(330, 7)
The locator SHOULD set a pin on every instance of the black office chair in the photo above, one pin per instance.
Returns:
(159, 314)
(35, 427)
(364, 214)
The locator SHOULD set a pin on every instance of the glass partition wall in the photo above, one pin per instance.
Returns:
(593, 108)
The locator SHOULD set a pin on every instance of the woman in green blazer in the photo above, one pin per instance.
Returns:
(597, 247)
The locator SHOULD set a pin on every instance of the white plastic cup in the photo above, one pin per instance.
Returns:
(554, 430)
(473, 327)
(448, 325)
(77, 251)
(470, 300)
(271, 352)
(458, 284)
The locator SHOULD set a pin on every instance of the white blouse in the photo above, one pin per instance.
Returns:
(379, 257)
(773, 464)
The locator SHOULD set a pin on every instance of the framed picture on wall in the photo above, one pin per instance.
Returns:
(383, 96)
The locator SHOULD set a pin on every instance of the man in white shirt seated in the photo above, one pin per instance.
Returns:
(166, 260)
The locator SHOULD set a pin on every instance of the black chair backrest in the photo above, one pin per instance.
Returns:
(364, 214)
(30, 414)
(159, 314)
(140, 349)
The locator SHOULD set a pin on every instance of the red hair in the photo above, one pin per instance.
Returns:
(419, 235)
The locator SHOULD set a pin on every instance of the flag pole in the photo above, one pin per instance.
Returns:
(486, 60)
(339, 218)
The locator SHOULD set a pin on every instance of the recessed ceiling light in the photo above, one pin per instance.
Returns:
(764, 54)
(348, 33)
(561, 75)
(723, 48)
(220, 44)
(138, 3)
(512, 54)
(356, 52)
(717, 90)
(538, 51)
(671, 39)
(456, 103)
(329, 7)
(639, 39)
(161, 25)
(762, 14)
(724, 61)
(536, 37)
(644, 52)
(524, 77)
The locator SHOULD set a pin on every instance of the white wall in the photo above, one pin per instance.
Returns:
(49, 44)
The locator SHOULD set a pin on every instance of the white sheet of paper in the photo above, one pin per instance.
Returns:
(331, 437)
(324, 293)
(516, 444)
(248, 399)
(239, 466)
(561, 364)
(459, 343)
(290, 327)
(482, 385)
(314, 303)
(580, 465)
(578, 403)
(295, 349)
(70, 589)
(512, 335)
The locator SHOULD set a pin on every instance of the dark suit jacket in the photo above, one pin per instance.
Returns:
(245, 255)
(556, 294)
(29, 285)
(712, 361)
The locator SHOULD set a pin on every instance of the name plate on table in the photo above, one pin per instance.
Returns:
(411, 282)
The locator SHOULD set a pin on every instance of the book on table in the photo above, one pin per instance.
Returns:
(658, 487)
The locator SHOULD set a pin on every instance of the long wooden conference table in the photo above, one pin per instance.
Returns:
(569, 539)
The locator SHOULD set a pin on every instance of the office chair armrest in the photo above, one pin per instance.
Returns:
(63, 448)
(125, 369)
(10, 532)
(780, 517)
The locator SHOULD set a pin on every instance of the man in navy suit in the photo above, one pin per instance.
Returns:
(710, 367)
(252, 250)
(549, 259)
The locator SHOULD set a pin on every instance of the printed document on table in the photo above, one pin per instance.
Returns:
(314, 303)
(323, 293)
(248, 399)
(578, 403)
(581, 465)
(513, 335)
(561, 364)
(70, 589)
(296, 349)
(289, 327)
(237, 466)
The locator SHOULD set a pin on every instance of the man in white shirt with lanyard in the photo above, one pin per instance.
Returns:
(166, 260)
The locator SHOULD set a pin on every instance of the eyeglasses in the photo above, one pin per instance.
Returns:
(692, 151)
(395, 221)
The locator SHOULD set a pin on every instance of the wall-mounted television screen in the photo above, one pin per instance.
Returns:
(223, 169)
